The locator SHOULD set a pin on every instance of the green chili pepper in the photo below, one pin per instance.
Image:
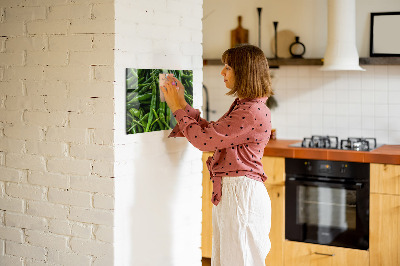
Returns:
(152, 105)
(140, 98)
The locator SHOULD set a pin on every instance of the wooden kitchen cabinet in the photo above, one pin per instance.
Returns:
(305, 254)
(385, 178)
(206, 225)
(274, 168)
(384, 236)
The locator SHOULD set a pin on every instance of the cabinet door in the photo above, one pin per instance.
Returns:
(274, 168)
(206, 232)
(384, 229)
(385, 178)
(305, 254)
(277, 233)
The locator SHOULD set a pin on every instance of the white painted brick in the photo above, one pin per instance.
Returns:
(101, 136)
(10, 174)
(98, 120)
(25, 161)
(24, 73)
(44, 27)
(46, 118)
(3, 44)
(25, 103)
(95, 216)
(25, 221)
(66, 73)
(71, 42)
(24, 132)
(11, 88)
(25, 250)
(105, 233)
(191, 48)
(91, 26)
(190, 22)
(64, 134)
(48, 179)
(25, 191)
(68, 258)
(45, 2)
(69, 12)
(96, 57)
(11, 116)
(103, 202)
(82, 230)
(103, 11)
(104, 73)
(103, 168)
(97, 105)
(46, 209)
(46, 58)
(12, 28)
(69, 197)
(93, 184)
(46, 148)
(47, 240)
(69, 166)
(32, 262)
(11, 145)
(11, 233)
(2, 189)
(24, 13)
(11, 260)
(56, 103)
(92, 151)
(91, 247)
(103, 41)
(2, 158)
(60, 227)
(11, 59)
(91, 89)
(21, 43)
(107, 259)
(12, 204)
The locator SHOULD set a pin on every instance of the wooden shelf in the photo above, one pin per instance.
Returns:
(380, 61)
(274, 63)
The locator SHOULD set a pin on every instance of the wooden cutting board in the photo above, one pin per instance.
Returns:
(239, 35)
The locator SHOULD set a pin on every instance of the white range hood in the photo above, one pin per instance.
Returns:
(341, 51)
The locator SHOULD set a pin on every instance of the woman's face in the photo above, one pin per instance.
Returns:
(229, 76)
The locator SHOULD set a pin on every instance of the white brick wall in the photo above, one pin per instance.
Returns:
(56, 132)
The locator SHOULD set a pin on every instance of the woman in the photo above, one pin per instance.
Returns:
(242, 208)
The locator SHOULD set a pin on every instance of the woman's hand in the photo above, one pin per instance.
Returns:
(173, 91)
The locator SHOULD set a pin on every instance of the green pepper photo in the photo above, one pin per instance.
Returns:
(145, 110)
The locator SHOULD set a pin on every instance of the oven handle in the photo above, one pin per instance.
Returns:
(357, 185)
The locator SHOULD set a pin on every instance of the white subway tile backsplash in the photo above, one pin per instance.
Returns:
(347, 103)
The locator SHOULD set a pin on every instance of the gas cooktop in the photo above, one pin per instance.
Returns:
(332, 142)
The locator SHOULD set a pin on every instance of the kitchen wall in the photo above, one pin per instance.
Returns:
(56, 132)
(158, 180)
(342, 103)
(63, 145)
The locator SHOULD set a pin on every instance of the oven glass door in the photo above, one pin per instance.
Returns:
(326, 213)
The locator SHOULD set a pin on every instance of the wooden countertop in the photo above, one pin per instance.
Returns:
(389, 154)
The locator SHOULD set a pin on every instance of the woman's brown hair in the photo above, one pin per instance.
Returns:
(250, 66)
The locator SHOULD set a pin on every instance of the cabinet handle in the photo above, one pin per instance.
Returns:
(325, 254)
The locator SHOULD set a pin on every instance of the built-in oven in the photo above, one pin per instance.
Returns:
(327, 202)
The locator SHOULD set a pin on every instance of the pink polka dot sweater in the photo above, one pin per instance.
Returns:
(238, 139)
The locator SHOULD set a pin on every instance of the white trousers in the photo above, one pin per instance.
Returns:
(241, 223)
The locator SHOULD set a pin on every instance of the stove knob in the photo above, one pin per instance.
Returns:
(343, 168)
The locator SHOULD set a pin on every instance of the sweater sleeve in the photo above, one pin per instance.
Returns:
(229, 131)
(193, 113)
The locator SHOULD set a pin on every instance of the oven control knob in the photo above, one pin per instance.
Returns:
(343, 168)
